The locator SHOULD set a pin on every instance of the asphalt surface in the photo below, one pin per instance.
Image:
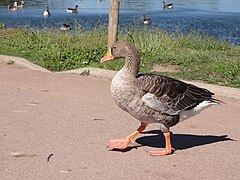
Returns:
(57, 126)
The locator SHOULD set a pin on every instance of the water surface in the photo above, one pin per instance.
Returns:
(219, 18)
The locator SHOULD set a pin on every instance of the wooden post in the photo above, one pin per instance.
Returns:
(113, 22)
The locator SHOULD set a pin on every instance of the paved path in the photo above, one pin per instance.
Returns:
(73, 117)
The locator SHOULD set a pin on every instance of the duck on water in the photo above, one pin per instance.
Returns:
(13, 7)
(46, 12)
(167, 6)
(145, 21)
(66, 26)
(72, 10)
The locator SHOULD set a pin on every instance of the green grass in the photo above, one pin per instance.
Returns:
(199, 57)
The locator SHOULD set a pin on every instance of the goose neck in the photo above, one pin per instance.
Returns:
(132, 64)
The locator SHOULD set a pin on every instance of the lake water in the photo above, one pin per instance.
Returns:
(218, 18)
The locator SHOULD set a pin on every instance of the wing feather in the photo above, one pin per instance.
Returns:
(169, 95)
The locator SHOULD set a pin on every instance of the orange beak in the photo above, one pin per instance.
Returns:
(107, 57)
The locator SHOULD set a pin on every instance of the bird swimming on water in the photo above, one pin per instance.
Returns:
(152, 98)
(167, 6)
(13, 7)
(19, 4)
(72, 10)
(145, 21)
(46, 12)
(66, 26)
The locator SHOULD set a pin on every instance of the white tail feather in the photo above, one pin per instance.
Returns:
(196, 110)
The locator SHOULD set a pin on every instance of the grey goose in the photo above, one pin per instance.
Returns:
(152, 98)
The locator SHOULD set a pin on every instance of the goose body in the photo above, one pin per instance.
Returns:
(152, 98)
(145, 21)
(19, 4)
(72, 10)
(46, 12)
(66, 27)
(167, 6)
(13, 7)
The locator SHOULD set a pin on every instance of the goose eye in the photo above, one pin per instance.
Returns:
(114, 47)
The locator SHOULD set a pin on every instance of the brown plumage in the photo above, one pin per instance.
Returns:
(151, 98)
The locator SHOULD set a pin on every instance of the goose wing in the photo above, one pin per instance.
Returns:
(170, 96)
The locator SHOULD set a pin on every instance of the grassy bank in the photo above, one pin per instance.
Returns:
(198, 57)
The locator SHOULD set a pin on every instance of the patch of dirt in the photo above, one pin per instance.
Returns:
(168, 68)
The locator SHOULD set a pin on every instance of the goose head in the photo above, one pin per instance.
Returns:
(143, 17)
(68, 22)
(121, 49)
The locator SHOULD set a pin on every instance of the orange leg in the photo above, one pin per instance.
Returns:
(123, 143)
(168, 148)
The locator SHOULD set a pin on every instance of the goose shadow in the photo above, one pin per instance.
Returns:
(179, 141)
